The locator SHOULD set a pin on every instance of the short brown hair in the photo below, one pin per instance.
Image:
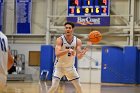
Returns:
(70, 23)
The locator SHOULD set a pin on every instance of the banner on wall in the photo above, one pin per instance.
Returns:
(90, 21)
(1, 14)
(23, 16)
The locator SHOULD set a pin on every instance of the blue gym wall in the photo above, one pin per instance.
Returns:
(120, 65)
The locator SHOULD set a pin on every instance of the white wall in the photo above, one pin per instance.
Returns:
(89, 71)
(39, 12)
(9, 18)
(38, 20)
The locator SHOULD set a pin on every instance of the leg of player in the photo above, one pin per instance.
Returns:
(3, 79)
(55, 84)
(77, 85)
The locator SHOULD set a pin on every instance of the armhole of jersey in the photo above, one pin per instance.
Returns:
(76, 46)
(62, 41)
(76, 42)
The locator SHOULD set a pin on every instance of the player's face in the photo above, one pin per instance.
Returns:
(68, 30)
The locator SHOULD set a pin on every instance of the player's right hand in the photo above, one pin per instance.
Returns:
(71, 52)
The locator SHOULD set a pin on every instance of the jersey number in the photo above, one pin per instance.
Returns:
(69, 54)
(2, 44)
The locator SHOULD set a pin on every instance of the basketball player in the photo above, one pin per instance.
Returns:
(67, 48)
(4, 53)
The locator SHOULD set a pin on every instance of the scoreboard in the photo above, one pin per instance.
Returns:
(89, 9)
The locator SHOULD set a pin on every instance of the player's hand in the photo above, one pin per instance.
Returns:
(71, 52)
(89, 43)
(84, 51)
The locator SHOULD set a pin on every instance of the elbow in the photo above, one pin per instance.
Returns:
(56, 55)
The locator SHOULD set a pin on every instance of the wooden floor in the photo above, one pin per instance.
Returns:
(66, 87)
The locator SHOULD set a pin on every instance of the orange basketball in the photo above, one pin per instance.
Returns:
(10, 60)
(95, 37)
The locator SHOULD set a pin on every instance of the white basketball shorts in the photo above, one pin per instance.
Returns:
(69, 72)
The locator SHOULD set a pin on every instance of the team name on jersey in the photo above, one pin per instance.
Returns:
(69, 47)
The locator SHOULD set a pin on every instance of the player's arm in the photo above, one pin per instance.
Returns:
(80, 52)
(58, 48)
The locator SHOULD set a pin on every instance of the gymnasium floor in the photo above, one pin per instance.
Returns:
(66, 87)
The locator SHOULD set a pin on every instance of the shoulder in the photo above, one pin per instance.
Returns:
(79, 42)
(2, 35)
(59, 40)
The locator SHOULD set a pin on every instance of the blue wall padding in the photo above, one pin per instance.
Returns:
(138, 69)
(130, 65)
(46, 61)
(122, 65)
(112, 58)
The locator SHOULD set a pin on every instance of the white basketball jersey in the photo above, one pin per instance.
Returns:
(3, 54)
(66, 60)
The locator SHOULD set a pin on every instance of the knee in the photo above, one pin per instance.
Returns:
(54, 87)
